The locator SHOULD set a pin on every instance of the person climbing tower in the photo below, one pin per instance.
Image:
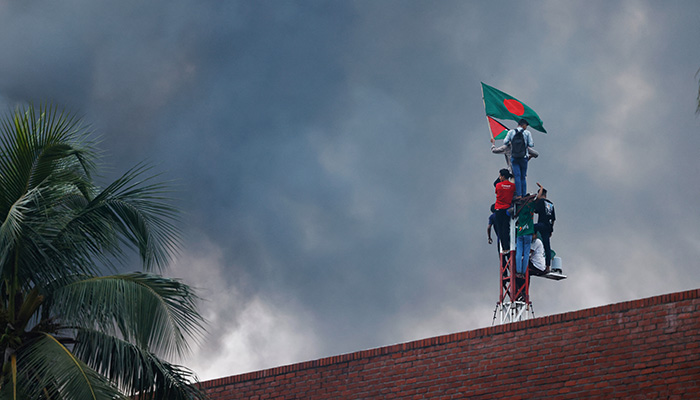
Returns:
(504, 197)
(545, 222)
(524, 229)
(520, 140)
(505, 150)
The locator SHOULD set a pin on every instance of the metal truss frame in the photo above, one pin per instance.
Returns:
(514, 299)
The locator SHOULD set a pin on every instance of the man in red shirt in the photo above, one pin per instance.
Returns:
(504, 197)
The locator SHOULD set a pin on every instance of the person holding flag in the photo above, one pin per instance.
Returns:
(499, 131)
(520, 140)
(498, 104)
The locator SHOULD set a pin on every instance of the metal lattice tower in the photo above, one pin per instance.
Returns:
(514, 293)
(514, 299)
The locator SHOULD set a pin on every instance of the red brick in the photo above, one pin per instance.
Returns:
(639, 349)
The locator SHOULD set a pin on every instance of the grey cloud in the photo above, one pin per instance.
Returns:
(332, 157)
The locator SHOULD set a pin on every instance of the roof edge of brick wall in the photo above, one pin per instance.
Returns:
(455, 337)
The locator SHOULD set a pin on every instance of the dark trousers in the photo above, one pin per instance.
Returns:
(503, 228)
(545, 231)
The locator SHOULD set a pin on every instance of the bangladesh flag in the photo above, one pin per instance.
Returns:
(504, 106)
(498, 130)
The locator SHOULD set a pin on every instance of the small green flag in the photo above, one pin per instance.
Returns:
(498, 130)
(504, 106)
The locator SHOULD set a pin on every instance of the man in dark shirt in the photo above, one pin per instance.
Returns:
(545, 222)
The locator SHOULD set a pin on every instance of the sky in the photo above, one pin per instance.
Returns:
(332, 160)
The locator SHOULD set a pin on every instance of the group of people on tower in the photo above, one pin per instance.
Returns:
(513, 202)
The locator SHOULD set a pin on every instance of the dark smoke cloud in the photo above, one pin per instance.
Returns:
(331, 157)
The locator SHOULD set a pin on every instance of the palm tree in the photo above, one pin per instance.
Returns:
(67, 331)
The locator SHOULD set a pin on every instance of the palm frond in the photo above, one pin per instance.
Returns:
(135, 370)
(11, 227)
(34, 146)
(46, 365)
(155, 313)
(45, 158)
(137, 210)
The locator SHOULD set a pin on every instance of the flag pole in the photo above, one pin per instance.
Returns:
(488, 125)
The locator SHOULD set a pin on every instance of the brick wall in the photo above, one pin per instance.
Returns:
(642, 349)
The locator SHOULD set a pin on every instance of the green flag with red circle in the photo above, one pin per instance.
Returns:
(504, 106)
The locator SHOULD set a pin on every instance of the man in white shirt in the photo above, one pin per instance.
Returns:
(537, 264)
(505, 150)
